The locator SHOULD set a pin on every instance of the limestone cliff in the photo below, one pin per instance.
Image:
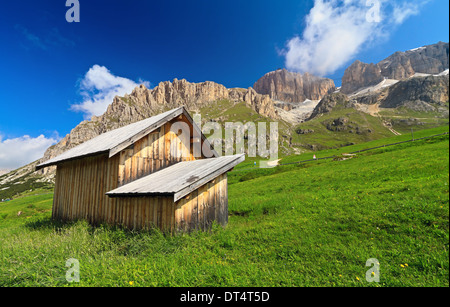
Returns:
(286, 86)
(420, 93)
(431, 59)
(429, 93)
(359, 75)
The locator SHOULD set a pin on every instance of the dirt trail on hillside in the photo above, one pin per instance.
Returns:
(373, 110)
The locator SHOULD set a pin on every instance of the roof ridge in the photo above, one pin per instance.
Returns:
(124, 135)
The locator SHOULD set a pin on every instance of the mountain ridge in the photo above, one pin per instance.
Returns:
(142, 103)
(264, 99)
(286, 86)
(430, 59)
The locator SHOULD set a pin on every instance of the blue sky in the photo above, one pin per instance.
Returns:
(48, 66)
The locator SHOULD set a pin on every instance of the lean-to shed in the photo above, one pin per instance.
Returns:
(146, 174)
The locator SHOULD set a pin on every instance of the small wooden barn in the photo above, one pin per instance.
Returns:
(144, 175)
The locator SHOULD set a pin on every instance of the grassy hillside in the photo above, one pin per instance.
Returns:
(404, 119)
(227, 111)
(344, 125)
(312, 224)
(359, 128)
(22, 184)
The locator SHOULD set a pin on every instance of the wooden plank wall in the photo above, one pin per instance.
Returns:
(146, 213)
(154, 152)
(198, 210)
(79, 194)
(80, 188)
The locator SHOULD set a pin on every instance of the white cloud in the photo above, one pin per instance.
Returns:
(99, 87)
(17, 152)
(404, 10)
(336, 30)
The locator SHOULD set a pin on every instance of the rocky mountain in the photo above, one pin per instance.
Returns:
(419, 93)
(422, 94)
(431, 59)
(143, 103)
(416, 103)
(327, 104)
(359, 75)
(286, 86)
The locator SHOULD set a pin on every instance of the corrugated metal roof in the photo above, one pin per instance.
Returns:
(179, 179)
(116, 140)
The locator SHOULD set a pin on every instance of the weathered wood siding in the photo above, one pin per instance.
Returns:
(199, 209)
(81, 185)
(146, 213)
(156, 151)
(80, 188)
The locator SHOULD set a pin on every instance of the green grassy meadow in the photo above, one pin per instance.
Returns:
(299, 225)
(324, 138)
(404, 119)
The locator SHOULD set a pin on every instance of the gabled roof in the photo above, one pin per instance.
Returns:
(114, 141)
(180, 179)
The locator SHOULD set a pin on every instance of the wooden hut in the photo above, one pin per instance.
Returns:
(144, 175)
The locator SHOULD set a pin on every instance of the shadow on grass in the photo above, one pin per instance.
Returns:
(116, 239)
(46, 223)
(49, 224)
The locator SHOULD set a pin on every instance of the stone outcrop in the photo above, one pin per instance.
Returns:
(286, 86)
(329, 102)
(419, 94)
(359, 75)
(432, 59)
(262, 104)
